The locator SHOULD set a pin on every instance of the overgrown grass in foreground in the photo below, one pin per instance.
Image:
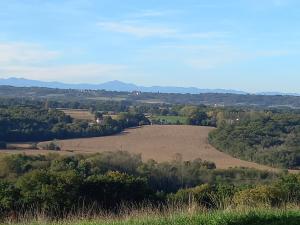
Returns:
(236, 217)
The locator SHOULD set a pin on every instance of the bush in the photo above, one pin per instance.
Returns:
(258, 196)
(9, 196)
(200, 195)
(290, 187)
(114, 188)
(49, 190)
(53, 146)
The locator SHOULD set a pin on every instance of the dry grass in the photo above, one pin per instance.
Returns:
(176, 216)
(81, 114)
(20, 146)
(161, 143)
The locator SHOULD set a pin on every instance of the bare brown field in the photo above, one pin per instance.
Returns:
(20, 146)
(160, 143)
(79, 114)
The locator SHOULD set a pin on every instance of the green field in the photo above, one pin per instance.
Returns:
(257, 217)
(170, 119)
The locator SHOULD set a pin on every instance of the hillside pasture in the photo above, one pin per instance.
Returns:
(161, 143)
(21, 146)
(79, 114)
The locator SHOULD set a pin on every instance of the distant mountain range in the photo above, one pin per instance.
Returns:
(121, 86)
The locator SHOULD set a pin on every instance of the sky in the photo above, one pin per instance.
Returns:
(249, 45)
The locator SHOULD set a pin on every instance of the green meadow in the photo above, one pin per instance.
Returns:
(170, 119)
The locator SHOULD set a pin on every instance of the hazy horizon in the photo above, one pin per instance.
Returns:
(247, 45)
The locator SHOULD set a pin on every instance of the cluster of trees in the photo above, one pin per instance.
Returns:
(92, 105)
(197, 116)
(25, 123)
(200, 115)
(266, 137)
(60, 183)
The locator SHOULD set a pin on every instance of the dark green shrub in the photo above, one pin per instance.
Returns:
(3, 145)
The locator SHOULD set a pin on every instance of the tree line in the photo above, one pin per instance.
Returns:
(221, 99)
(29, 123)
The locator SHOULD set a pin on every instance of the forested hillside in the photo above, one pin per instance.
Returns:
(264, 137)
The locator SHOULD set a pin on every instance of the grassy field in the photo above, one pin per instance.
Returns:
(79, 114)
(152, 101)
(171, 119)
(251, 217)
(160, 143)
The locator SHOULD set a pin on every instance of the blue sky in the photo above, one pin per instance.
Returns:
(251, 45)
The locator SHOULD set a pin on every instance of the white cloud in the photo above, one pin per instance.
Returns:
(137, 30)
(148, 13)
(153, 13)
(24, 53)
(274, 53)
(67, 73)
(204, 35)
(32, 61)
(145, 30)
(208, 56)
(215, 58)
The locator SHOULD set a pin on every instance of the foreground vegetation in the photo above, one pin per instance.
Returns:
(150, 216)
(56, 185)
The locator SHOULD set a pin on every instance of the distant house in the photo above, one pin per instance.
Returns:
(99, 117)
(99, 120)
(136, 93)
